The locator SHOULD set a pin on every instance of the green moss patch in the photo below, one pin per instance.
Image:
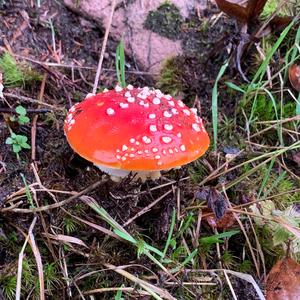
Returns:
(166, 21)
(15, 74)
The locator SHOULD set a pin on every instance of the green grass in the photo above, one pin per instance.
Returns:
(120, 64)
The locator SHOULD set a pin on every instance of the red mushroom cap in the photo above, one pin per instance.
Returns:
(135, 129)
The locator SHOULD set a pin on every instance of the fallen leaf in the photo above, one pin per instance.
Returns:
(243, 14)
(294, 76)
(66, 239)
(215, 201)
(278, 23)
(226, 222)
(255, 8)
(283, 281)
(233, 10)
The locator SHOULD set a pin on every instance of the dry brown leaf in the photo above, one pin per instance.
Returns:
(283, 281)
(233, 10)
(226, 222)
(280, 22)
(294, 76)
(215, 201)
(255, 8)
(66, 239)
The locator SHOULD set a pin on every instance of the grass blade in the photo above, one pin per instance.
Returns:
(263, 67)
(120, 64)
(215, 103)
(234, 87)
(185, 262)
(298, 106)
(266, 178)
(170, 233)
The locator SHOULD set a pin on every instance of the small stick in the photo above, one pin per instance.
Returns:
(32, 100)
(20, 260)
(35, 118)
(58, 204)
(147, 208)
(72, 66)
(113, 5)
(28, 110)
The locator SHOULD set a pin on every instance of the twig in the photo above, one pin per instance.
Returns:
(150, 288)
(230, 285)
(147, 208)
(58, 204)
(38, 259)
(28, 110)
(85, 67)
(35, 118)
(31, 100)
(51, 249)
(113, 5)
(20, 261)
(113, 289)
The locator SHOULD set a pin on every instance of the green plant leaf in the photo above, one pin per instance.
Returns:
(119, 294)
(141, 246)
(124, 236)
(9, 141)
(16, 148)
(234, 87)
(23, 120)
(25, 146)
(21, 110)
(20, 139)
(218, 238)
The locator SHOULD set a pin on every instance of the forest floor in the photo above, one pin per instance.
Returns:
(210, 230)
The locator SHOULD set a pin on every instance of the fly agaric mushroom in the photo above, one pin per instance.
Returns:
(136, 130)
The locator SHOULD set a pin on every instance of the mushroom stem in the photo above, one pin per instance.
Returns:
(117, 174)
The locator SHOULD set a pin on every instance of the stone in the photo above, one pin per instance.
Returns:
(148, 48)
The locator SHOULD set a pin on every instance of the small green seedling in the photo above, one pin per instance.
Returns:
(18, 142)
(21, 117)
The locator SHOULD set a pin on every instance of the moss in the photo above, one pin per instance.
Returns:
(15, 74)
(166, 21)
(289, 8)
(179, 77)
(263, 109)
(170, 79)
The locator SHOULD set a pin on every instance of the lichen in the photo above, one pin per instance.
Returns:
(166, 21)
